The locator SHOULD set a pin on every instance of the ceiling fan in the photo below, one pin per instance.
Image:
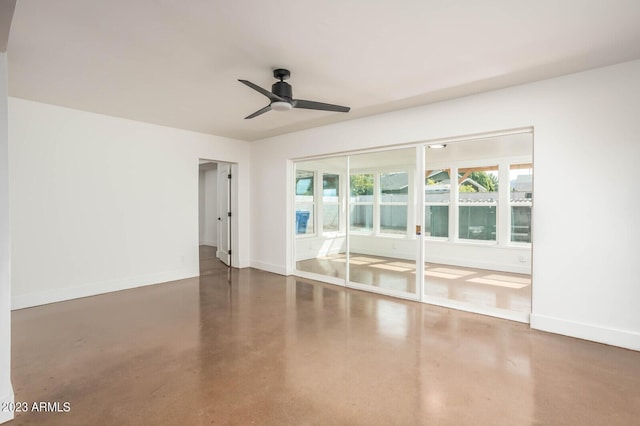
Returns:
(281, 97)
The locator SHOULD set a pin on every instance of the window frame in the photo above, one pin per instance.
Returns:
(447, 203)
(482, 166)
(513, 203)
(376, 202)
(313, 203)
(502, 203)
(337, 203)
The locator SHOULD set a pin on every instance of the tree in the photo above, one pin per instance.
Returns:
(361, 184)
(486, 180)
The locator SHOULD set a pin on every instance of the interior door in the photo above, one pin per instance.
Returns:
(224, 213)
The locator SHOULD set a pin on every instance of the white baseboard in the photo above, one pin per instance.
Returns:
(210, 243)
(269, 267)
(20, 301)
(610, 336)
(5, 416)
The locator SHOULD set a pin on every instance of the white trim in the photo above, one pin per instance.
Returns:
(68, 293)
(269, 267)
(5, 416)
(209, 243)
(610, 336)
(523, 317)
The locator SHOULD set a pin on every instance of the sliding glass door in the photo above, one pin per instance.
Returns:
(320, 217)
(382, 203)
(477, 240)
(449, 226)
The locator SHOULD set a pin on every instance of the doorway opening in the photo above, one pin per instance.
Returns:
(448, 226)
(215, 214)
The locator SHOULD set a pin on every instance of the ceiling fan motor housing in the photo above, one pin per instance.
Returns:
(283, 90)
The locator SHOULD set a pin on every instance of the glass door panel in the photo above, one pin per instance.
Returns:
(382, 242)
(320, 217)
(477, 239)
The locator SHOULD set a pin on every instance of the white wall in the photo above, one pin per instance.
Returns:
(101, 203)
(209, 207)
(584, 275)
(6, 390)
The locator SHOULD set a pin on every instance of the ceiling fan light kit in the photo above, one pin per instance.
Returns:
(281, 106)
(281, 97)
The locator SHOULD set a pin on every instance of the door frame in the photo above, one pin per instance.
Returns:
(233, 202)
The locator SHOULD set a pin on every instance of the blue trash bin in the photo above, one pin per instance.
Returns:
(302, 217)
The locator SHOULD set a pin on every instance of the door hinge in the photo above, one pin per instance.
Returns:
(229, 252)
(229, 214)
(229, 176)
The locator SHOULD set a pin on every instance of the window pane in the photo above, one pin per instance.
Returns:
(437, 186)
(393, 219)
(304, 183)
(330, 185)
(331, 218)
(521, 178)
(362, 218)
(361, 185)
(304, 219)
(477, 223)
(521, 224)
(478, 184)
(436, 221)
(394, 187)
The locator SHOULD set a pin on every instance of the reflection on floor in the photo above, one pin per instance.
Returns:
(208, 260)
(479, 287)
(244, 346)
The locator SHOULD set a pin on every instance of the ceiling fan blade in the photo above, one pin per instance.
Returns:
(301, 103)
(259, 112)
(265, 92)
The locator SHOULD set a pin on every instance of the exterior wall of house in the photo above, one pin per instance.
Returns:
(585, 124)
(102, 204)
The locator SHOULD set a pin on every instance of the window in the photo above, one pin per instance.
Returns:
(361, 202)
(521, 196)
(330, 202)
(305, 203)
(394, 193)
(477, 202)
(437, 199)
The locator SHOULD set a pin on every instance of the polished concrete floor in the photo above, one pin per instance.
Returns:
(249, 347)
(477, 287)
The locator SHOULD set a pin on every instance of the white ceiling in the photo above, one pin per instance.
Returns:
(176, 62)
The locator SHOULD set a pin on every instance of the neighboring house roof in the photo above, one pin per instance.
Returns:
(394, 182)
(523, 183)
